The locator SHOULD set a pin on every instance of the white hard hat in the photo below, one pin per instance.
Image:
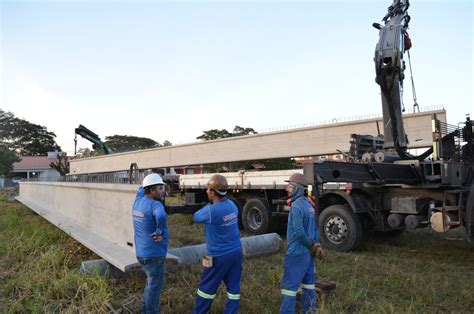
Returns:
(152, 179)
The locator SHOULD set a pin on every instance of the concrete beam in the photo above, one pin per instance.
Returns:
(99, 217)
(96, 215)
(309, 141)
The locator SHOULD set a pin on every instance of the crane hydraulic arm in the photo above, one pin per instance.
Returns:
(94, 138)
(389, 68)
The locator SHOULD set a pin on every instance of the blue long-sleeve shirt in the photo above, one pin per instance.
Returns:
(149, 216)
(302, 230)
(222, 229)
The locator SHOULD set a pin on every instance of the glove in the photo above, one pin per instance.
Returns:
(156, 237)
(317, 251)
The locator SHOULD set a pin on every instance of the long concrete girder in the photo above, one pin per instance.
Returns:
(300, 142)
(99, 216)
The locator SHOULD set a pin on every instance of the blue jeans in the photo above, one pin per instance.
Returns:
(154, 268)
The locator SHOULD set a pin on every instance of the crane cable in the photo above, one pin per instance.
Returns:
(415, 103)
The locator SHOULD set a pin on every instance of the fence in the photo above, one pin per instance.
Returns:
(7, 183)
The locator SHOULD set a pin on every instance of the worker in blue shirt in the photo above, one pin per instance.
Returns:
(151, 238)
(224, 249)
(303, 246)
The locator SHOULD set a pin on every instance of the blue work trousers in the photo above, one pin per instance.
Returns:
(298, 270)
(228, 268)
(154, 268)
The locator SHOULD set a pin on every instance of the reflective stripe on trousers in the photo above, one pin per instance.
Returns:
(288, 293)
(231, 296)
(205, 295)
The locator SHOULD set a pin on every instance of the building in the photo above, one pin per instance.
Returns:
(35, 167)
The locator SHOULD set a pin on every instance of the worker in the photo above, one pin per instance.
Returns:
(151, 238)
(303, 245)
(223, 246)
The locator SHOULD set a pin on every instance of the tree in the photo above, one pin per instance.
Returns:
(7, 158)
(121, 143)
(26, 138)
(215, 133)
(279, 163)
(240, 131)
(61, 164)
(268, 164)
(87, 152)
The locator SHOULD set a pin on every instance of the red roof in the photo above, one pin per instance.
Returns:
(33, 162)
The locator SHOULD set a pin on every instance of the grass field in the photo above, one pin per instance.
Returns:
(412, 273)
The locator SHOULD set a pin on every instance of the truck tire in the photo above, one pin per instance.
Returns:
(239, 207)
(256, 217)
(340, 228)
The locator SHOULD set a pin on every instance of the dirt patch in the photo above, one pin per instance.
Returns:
(79, 251)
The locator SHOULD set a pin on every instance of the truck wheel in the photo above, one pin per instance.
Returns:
(340, 228)
(256, 216)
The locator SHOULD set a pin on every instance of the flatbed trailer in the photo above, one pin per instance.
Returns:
(259, 195)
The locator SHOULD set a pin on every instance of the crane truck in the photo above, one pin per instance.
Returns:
(409, 192)
(390, 193)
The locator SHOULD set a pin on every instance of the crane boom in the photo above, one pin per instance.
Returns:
(389, 68)
(94, 138)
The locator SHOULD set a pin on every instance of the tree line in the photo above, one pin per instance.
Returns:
(19, 137)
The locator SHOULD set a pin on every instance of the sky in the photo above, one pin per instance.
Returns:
(169, 70)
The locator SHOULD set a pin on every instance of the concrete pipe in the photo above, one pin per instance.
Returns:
(103, 268)
(251, 246)
(100, 267)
